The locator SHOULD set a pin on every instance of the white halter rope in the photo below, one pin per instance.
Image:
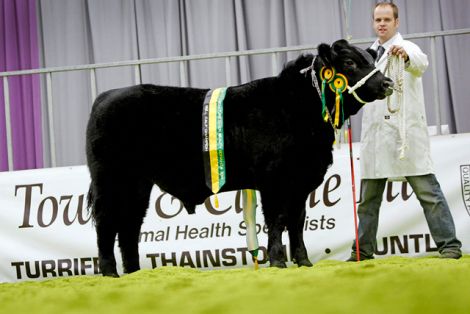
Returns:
(352, 90)
(394, 70)
(314, 76)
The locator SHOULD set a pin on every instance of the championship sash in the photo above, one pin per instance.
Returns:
(213, 139)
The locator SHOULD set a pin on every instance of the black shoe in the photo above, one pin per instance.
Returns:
(451, 254)
(353, 258)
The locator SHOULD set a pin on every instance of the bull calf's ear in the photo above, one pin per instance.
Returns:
(324, 52)
(372, 52)
(340, 45)
(304, 60)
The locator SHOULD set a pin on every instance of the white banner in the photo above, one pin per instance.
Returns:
(46, 231)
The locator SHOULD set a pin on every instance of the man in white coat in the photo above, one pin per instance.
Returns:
(395, 144)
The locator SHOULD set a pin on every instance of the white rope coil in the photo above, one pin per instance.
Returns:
(395, 69)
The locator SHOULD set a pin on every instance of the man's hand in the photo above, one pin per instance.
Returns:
(399, 51)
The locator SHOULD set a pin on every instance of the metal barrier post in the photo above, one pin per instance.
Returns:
(93, 84)
(138, 77)
(228, 72)
(6, 95)
(51, 118)
(274, 64)
(435, 86)
(183, 74)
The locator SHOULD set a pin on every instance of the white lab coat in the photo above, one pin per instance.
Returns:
(381, 140)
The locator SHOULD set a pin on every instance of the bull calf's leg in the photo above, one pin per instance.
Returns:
(297, 246)
(106, 235)
(275, 221)
(101, 193)
(129, 245)
(132, 208)
(129, 233)
(277, 257)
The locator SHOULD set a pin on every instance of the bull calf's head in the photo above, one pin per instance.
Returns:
(346, 79)
(355, 64)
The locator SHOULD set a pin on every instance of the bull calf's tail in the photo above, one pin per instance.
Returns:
(89, 199)
(90, 202)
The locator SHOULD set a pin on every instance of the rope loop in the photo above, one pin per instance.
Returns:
(394, 69)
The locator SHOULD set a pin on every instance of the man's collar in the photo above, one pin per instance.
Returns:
(388, 43)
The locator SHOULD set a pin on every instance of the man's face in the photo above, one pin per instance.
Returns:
(385, 24)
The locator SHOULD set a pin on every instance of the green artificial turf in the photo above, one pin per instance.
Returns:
(391, 285)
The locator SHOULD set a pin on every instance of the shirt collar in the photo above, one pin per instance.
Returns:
(386, 44)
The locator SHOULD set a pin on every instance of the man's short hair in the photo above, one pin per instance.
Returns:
(391, 4)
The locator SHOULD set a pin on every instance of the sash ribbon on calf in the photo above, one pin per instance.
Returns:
(213, 140)
(214, 163)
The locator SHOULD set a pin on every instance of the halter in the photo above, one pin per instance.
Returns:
(352, 90)
(338, 83)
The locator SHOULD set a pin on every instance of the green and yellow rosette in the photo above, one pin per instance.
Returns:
(338, 86)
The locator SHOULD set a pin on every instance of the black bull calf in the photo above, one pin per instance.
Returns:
(276, 142)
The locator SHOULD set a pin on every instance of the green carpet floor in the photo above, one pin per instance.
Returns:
(390, 285)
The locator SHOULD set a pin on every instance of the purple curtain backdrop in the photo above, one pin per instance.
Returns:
(19, 51)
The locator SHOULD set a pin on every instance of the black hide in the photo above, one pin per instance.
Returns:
(276, 142)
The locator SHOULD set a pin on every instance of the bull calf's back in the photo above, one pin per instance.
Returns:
(142, 122)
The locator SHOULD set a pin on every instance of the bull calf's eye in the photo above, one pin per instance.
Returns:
(349, 63)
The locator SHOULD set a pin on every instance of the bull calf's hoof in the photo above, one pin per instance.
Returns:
(111, 274)
(278, 264)
(109, 270)
(304, 262)
(128, 270)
